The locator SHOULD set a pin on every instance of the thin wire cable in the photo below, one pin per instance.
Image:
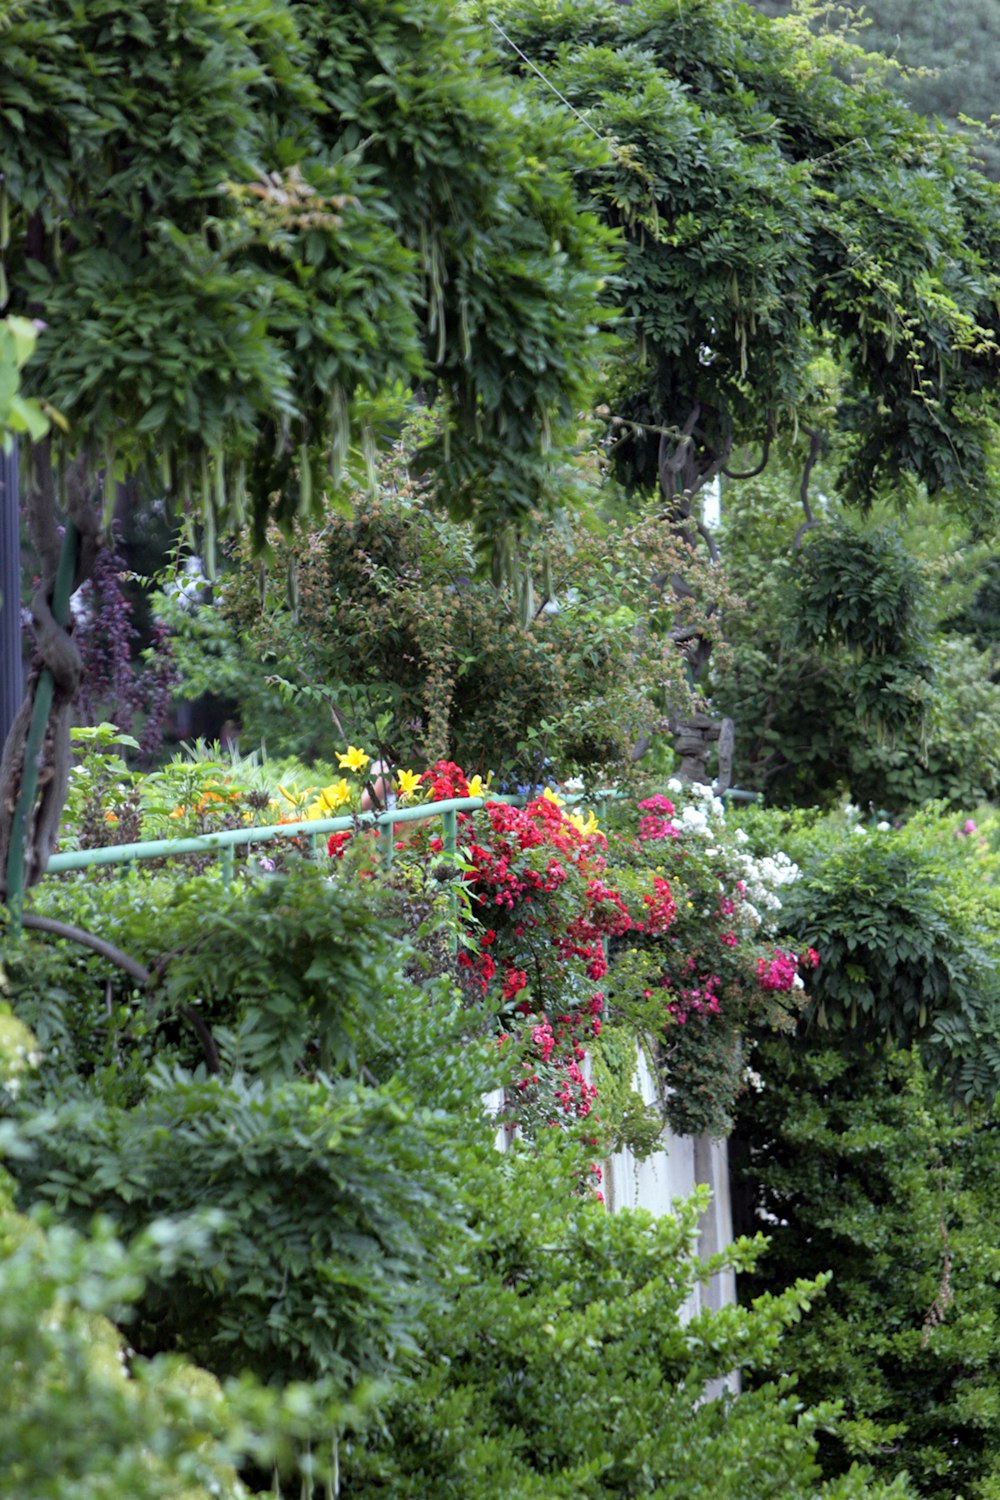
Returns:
(547, 82)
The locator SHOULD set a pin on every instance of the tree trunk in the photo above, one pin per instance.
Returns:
(34, 767)
(11, 670)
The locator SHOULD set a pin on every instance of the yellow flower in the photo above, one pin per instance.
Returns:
(354, 760)
(336, 794)
(295, 798)
(409, 783)
(554, 797)
(329, 799)
(585, 827)
(476, 787)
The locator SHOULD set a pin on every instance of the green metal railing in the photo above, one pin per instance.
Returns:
(316, 830)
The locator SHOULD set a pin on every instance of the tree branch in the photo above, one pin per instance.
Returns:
(88, 940)
(759, 469)
(815, 447)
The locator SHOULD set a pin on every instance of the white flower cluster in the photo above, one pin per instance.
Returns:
(704, 815)
(764, 878)
(703, 818)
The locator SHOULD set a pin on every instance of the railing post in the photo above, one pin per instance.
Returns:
(449, 821)
(387, 838)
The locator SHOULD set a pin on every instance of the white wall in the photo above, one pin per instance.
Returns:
(673, 1171)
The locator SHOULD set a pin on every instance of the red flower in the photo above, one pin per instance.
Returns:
(446, 780)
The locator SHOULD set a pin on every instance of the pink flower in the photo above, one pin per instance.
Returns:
(658, 804)
(777, 973)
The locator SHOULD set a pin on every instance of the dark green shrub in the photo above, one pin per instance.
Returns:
(907, 925)
(330, 1197)
(566, 1365)
(857, 1166)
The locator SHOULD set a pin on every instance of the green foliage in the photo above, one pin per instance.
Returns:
(625, 1120)
(859, 589)
(18, 414)
(387, 626)
(906, 924)
(83, 1415)
(841, 678)
(329, 1199)
(245, 225)
(330, 1188)
(857, 1166)
(288, 972)
(863, 591)
(775, 213)
(941, 54)
(569, 1364)
(957, 756)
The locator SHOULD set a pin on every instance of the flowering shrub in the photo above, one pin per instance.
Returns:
(534, 884)
(695, 981)
(687, 919)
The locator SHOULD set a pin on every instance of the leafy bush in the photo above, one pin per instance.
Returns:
(907, 925)
(332, 1190)
(840, 682)
(568, 1364)
(391, 625)
(330, 1198)
(856, 1165)
(82, 1414)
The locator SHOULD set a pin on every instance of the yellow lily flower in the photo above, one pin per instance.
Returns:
(353, 760)
(329, 799)
(585, 827)
(408, 782)
(335, 795)
(295, 798)
(552, 796)
(476, 787)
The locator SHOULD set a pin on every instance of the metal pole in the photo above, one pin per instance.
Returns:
(11, 666)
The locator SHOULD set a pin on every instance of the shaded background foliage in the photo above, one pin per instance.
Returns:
(944, 49)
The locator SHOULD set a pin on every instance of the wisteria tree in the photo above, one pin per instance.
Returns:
(242, 225)
(809, 268)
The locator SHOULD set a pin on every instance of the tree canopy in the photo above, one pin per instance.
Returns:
(241, 221)
(242, 225)
(801, 250)
(945, 56)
